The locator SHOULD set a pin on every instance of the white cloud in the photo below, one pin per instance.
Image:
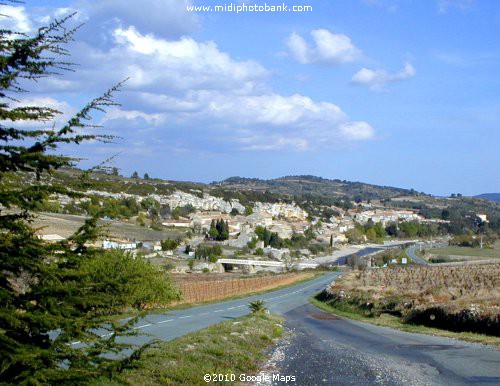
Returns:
(185, 64)
(248, 122)
(189, 94)
(165, 18)
(329, 48)
(14, 19)
(357, 130)
(377, 80)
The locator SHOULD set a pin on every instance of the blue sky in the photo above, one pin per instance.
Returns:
(402, 93)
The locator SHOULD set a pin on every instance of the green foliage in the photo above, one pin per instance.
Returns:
(252, 243)
(410, 229)
(248, 210)
(355, 235)
(212, 258)
(296, 241)
(140, 284)
(259, 252)
(219, 230)
(208, 252)
(169, 244)
(234, 212)
(236, 346)
(270, 238)
(257, 306)
(55, 294)
(141, 219)
(182, 211)
(316, 248)
(309, 233)
(385, 257)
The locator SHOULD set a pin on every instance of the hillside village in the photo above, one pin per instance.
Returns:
(193, 213)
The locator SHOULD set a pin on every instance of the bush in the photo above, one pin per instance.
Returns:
(461, 321)
(169, 244)
(257, 306)
(206, 251)
(259, 252)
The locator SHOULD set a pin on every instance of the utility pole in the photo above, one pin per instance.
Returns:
(481, 244)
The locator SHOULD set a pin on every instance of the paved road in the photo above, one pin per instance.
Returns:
(176, 323)
(327, 350)
(411, 252)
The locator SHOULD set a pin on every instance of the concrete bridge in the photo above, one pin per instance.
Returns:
(251, 264)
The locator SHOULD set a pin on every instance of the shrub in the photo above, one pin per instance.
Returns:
(257, 306)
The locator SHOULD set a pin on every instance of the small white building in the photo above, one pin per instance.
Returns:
(482, 217)
(107, 244)
(52, 237)
(181, 223)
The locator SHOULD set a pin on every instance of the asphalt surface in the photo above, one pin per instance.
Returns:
(172, 324)
(411, 252)
(327, 350)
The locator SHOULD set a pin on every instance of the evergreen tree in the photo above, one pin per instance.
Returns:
(135, 175)
(146, 176)
(213, 232)
(54, 294)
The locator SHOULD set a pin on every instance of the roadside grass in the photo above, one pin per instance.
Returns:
(387, 320)
(231, 347)
(490, 253)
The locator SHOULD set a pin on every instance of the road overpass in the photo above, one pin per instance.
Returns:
(267, 263)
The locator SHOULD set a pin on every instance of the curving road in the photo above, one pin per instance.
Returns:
(411, 252)
(172, 324)
(328, 350)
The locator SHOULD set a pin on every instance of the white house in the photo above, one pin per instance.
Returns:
(107, 244)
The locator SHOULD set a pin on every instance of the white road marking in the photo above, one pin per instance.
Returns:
(231, 308)
(77, 342)
(144, 325)
(164, 321)
(219, 311)
(184, 317)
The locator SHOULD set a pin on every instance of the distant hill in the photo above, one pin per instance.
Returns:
(313, 194)
(495, 197)
(316, 186)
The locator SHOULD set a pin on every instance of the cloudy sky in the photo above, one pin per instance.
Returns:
(403, 93)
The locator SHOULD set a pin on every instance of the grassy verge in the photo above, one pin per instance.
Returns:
(394, 322)
(487, 253)
(231, 347)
